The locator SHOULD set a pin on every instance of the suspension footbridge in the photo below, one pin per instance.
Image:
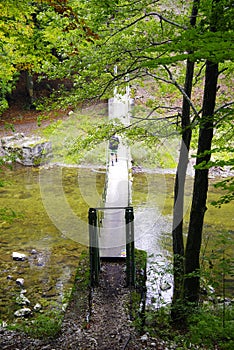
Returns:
(111, 226)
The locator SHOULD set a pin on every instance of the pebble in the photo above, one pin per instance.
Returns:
(23, 312)
(20, 282)
(37, 307)
(144, 337)
(22, 300)
(23, 291)
(165, 286)
(18, 256)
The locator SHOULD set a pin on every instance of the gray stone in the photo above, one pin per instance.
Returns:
(37, 307)
(20, 282)
(23, 312)
(23, 291)
(165, 286)
(144, 338)
(29, 151)
(18, 256)
(22, 300)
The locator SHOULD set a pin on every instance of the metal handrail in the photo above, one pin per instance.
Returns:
(94, 250)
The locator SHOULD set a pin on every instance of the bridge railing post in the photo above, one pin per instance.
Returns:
(94, 256)
(130, 247)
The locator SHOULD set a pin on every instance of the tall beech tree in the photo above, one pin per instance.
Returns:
(200, 189)
(178, 209)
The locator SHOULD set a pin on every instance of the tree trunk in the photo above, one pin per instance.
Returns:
(200, 189)
(29, 87)
(178, 210)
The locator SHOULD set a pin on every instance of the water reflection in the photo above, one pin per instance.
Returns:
(151, 229)
(153, 226)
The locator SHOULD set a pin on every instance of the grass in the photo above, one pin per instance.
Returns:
(62, 134)
(152, 158)
(42, 326)
(205, 328)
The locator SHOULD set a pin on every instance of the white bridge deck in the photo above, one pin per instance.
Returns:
(112, 234)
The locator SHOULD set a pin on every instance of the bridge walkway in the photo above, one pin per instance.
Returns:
(112, 232)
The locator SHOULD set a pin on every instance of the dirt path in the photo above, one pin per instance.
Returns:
(110, 325)
(104, 322)
(101, 322)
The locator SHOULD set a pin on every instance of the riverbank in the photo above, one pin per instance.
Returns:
(101, 318)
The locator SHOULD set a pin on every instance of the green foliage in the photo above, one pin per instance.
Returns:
(15, 34)
(221, 158)
(217, 264)
(228, 186)
(38, 37)
(81, 289)
(72, 139)
(84, 43)
(213, 46)
(211, 324)
(139, 37)
(138, 295)
(52, 128)
(40, 118)
(43, 325)
(206, 329)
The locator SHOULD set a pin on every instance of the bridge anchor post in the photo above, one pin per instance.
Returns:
(94, 256)
(130, 247)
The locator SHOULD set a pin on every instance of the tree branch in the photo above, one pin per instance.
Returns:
(150, 14)
(174, 82)
(162, 18)
(199, 73)
(224, 106)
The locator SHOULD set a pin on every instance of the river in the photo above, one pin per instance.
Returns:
(51, 230)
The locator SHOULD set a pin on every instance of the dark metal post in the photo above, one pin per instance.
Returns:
(93, 248)
(130, 254)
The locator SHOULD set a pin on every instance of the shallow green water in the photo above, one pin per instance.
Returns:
(153, 203)
(52, 252)
(52, 233)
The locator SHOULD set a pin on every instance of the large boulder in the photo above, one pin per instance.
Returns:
(29, 151)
